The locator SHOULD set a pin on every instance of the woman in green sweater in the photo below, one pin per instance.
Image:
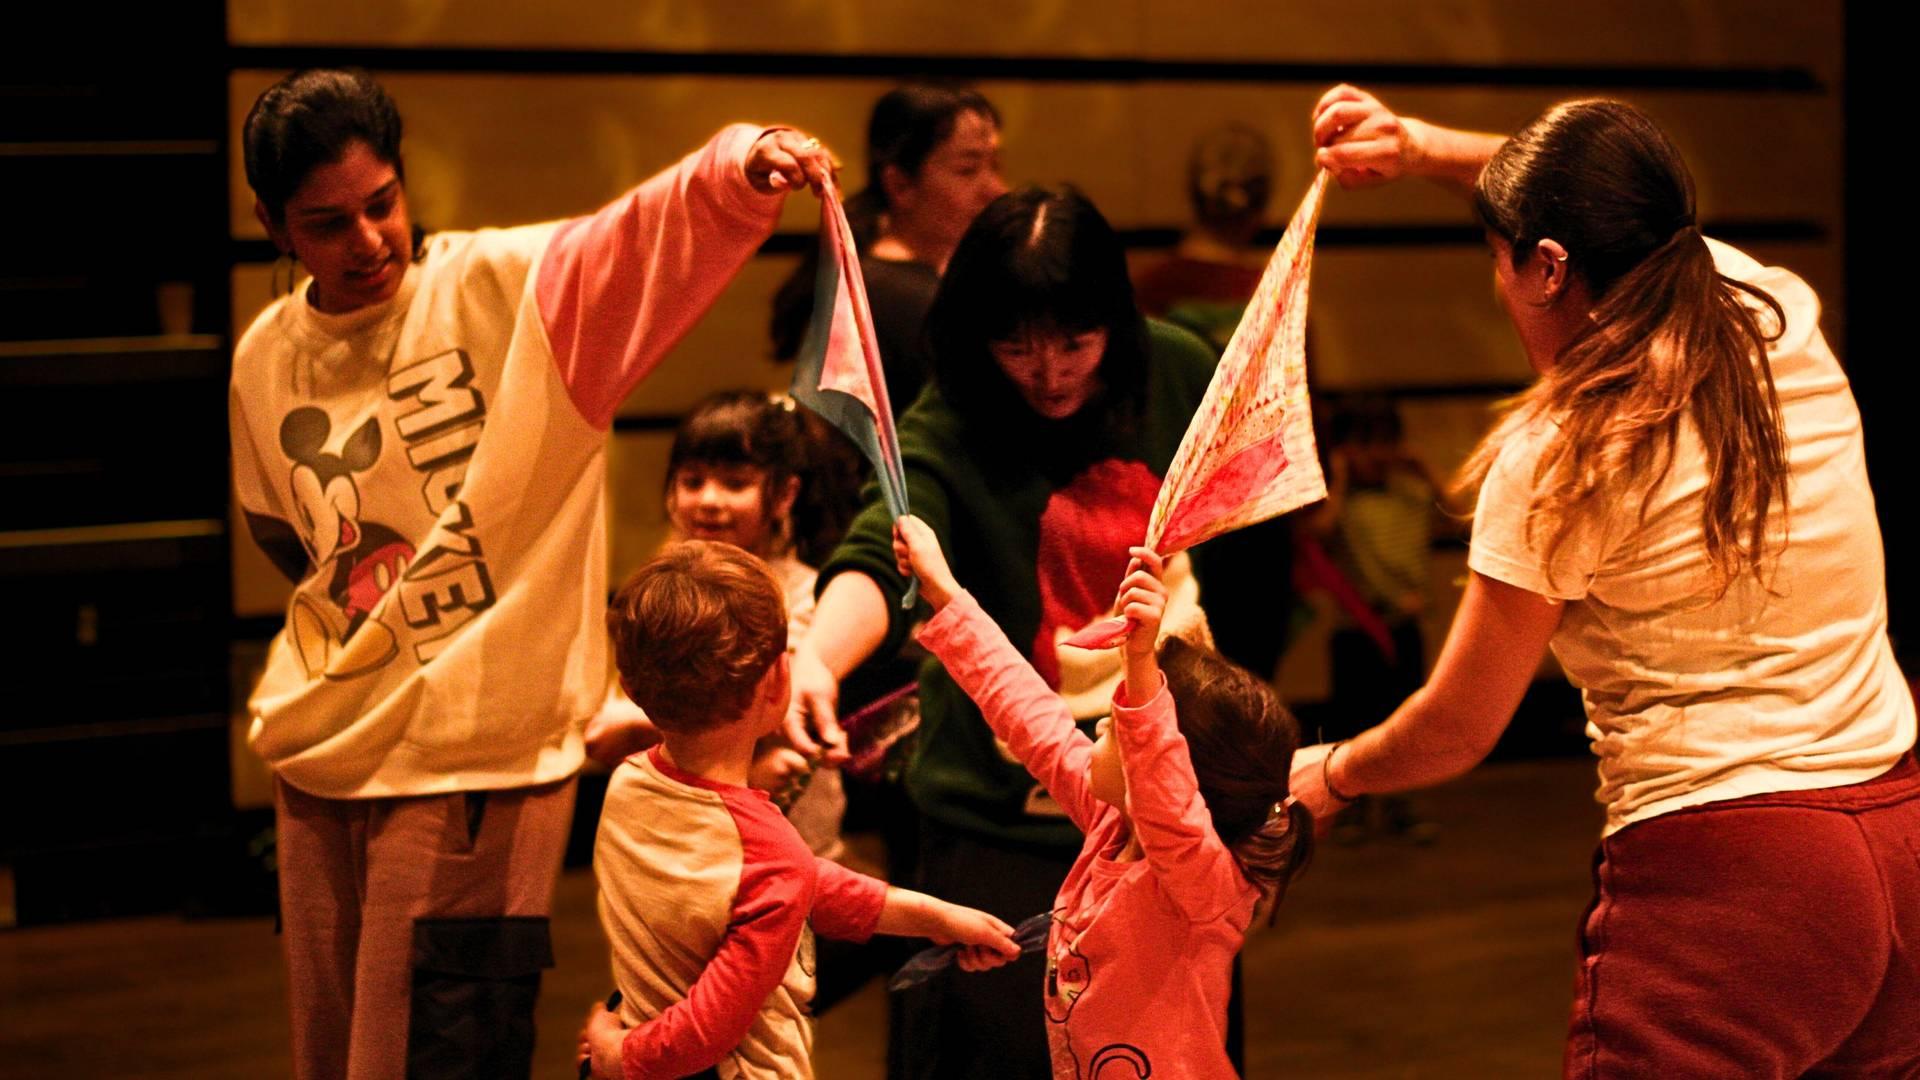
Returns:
(1035, 455)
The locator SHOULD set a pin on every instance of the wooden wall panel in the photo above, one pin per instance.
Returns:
(1774, 156)
(990, 27)
(252, 292)
(637, 514)
(727, 350)
(1444, 430)
(1511, 32)
(1409, 317)
(511, 149)
(507, 149)
(1748, 33)
(504, 148)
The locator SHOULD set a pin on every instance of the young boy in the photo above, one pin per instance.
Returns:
(705, 890)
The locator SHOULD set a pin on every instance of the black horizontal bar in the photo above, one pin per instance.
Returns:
(646, 423)
(256, 627)
(112, 361)
(164, 555)
(513, 61)
(1329, 236)
(114, 729)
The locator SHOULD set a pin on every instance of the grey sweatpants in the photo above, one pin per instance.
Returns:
(416, 928)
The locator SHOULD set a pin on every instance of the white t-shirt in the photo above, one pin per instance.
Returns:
(1692, 700)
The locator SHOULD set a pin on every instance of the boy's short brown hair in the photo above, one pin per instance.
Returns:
(694, 631)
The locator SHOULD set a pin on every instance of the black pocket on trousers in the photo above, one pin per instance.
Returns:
(475, 982)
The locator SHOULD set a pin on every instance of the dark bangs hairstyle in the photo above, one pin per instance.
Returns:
(1241, 739)
(307, 120)
(1041, 260)
(767, 432)
(1669, 336)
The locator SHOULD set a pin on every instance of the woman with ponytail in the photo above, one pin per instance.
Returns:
(1679, 508)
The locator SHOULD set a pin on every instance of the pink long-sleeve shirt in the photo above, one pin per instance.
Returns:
(1140, 957)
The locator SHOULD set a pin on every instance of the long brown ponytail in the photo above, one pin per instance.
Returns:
(1241, 740)
(1669, 336)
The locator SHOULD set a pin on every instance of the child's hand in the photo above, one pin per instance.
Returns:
(918, 552)
(619, 731)
(778, 770)
(600, 1044)
(985, 941)
(1143, 600)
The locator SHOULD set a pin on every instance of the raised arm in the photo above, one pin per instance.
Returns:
(1018, 704)
(1363, 143)
(1164, 804)
(1169, 816)
(619, 288)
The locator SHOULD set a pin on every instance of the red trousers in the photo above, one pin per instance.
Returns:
(1771, 936)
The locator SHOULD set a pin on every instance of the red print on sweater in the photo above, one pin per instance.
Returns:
(1084, 536)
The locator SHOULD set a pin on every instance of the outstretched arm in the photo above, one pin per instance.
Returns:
(1363, 143)
(857, 615)
(1018, 704)
(619, 288)
(1499, 636)
(985, 941)
(849, 623)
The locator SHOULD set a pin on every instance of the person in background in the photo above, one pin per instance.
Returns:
(1378, 520)
(1206, 283)
(739, 472)
(1204, 286)
(933, 163)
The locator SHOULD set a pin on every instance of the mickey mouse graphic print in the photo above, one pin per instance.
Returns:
(430, 471)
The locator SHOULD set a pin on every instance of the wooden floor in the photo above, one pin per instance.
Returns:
(1454, 960)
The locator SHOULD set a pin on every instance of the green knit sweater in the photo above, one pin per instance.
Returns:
(1007, 499)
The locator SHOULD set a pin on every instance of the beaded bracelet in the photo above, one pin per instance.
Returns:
(1326, 773)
